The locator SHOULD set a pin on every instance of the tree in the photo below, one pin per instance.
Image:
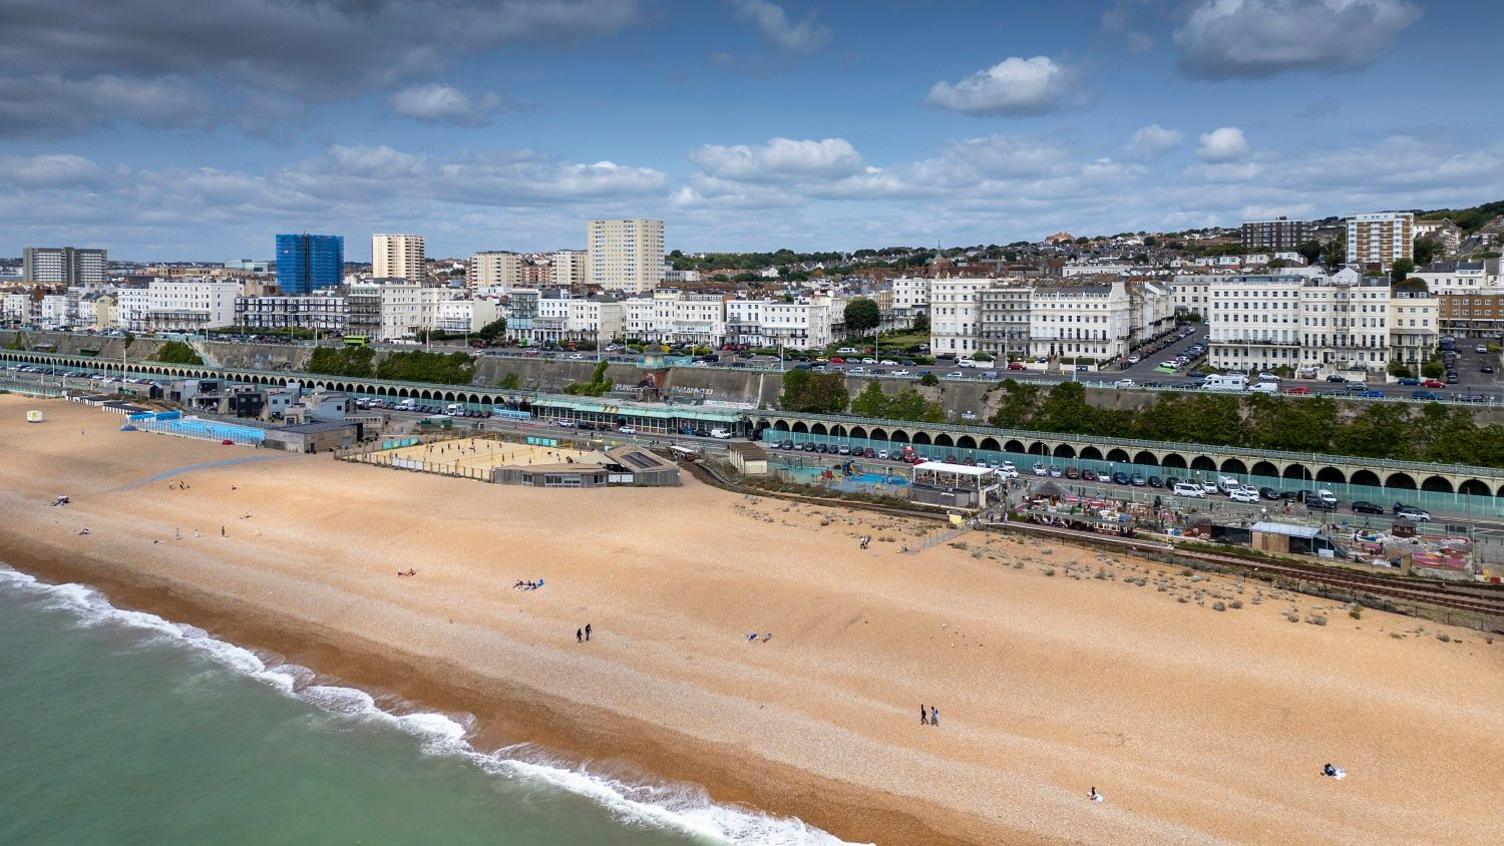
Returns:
(929, 380)
(177, 352)
(862, 315)
(1334, 253)
(1310, 251)
(1426, 250)
(1400, 269)
(981, 356)
(1432, 369)
(871, 402)
(334, 361)
(921, 322)
(1017, 405)
(493, 330)
(819, 393)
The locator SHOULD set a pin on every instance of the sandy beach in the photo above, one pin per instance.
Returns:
(1054, 668)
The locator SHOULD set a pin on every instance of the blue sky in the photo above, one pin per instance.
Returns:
(180, 129)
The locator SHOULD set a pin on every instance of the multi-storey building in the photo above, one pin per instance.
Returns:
(1079, 321)
(63, 265)
(465, 315)
(1444, 231)
(307, 263)
(808, 323)
(1280, 233)
(1003, 320)
(625, 255)
(1312, 324)
(177, 305)
(571, 270)
(1151, 312)
(954, 315)
(1191, 293)
(317, 312)
(1455, 277)
(397, 257)
(495, 269)
(1472, 314)
(911, 294)
(1380, 238)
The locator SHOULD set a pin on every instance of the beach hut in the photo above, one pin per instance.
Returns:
(34, 416)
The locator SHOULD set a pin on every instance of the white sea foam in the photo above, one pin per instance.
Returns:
(683, 808)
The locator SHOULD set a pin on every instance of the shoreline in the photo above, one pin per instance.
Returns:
(1190, 700)
(632, 750)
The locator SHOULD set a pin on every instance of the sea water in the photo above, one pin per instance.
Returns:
(119, 727)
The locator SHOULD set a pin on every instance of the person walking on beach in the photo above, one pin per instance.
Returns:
(924, 719)
(934, 716)
(587, 631)
(579, 635)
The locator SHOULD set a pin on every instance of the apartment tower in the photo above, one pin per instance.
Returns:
(1380, 238)
(397, 257)
(625, 255)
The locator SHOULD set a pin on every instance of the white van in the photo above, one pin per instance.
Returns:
(1230, 382)
(971, 362)
(454, 408)
(720, 434)
(1188, 489)
(1264, 388)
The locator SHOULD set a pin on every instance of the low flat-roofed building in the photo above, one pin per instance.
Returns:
(313, 437)
(631, 466)
(749, 459)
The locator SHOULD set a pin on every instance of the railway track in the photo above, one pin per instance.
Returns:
(1404, 590)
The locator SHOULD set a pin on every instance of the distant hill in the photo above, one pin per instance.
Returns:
(1470, 219)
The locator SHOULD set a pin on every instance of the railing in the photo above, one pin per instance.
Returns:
(936, 540)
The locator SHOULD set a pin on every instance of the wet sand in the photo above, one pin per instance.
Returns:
(1198, 725)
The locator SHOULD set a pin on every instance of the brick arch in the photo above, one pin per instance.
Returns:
(1473, 487)
(860, 432)
(837, 430)
(780, 425)
(1233, 465)
(1365, 477)
(1039, 448)
(1331, 474)
(1144, 456)
(1063, 451)
(800, 428)
(1400, 481)
(878, 435)
(1264, 468)
(1203, 462)
(1296, 471)
(1173, 461)
(944, 440)
(966, 442)
(818, 429)
(1437, 484)
(1090, 453)
(1117, 454)
(1015, 447)
(898, 436)
(990, 444)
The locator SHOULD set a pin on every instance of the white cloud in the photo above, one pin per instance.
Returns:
(1013, 86)
(49, 171)
(440, 103)
(773, 22)
(1225, 144)
(779, 159)
(1257, 38)
(1153, 140)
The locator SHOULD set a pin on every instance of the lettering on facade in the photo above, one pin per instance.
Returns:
(699, 392)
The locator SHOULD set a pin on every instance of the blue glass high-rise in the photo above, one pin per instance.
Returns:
(306, 263)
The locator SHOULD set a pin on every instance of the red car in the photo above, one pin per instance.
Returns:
(1298, 389)
(1015, 365)
(1433, 383)
(835, 359)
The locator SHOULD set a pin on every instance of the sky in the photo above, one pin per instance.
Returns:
(189, 130)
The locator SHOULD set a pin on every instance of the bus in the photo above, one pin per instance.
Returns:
(355, 341)
(684, 453)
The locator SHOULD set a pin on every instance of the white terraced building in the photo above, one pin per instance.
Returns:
(1322, 324)
(1080, 321)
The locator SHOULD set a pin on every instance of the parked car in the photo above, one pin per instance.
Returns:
(1429, 396)
(1089, 475)
(1156, 482)
(1243, 495)
(1015, 365)
(1363, 506)
(1410, 512)
(1040, 469)
(1055, 472)
(1210, 487)
(1125, 384)
(1407, 381)
(1138, 480)
(1188, 489)
(1269, 493)
(1432, 383)
(898, 373)
(1298, 390)
(1373, 394)
(1336, 377)
(1322, 499)
(626, 430)
(1072, 473)
(1120, 478)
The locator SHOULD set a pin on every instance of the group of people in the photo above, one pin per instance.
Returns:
(582, 635)
(405, 573)
(752, 637)
(932, 718)
(61, 500)
(527, 584)
(866, 539)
